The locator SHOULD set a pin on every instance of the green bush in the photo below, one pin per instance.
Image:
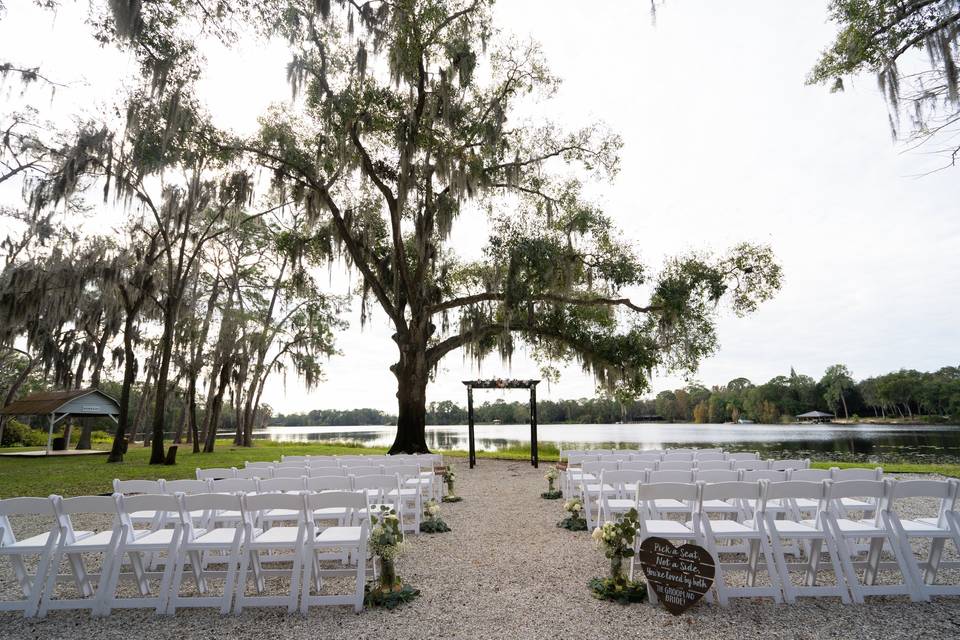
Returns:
(17, 434)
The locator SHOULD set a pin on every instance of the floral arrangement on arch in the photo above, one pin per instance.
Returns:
(616, 539)
(575, 521)
(552, 493)
(386, 544)
(432, 523)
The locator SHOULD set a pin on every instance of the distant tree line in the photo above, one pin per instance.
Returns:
(901, 394)
(906, 394)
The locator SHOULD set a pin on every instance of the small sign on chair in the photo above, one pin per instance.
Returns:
(439, 469)
(679, 576)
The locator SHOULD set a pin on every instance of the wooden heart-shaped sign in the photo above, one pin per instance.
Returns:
(680, 576)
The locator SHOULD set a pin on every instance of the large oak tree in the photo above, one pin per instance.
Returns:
(409, 124)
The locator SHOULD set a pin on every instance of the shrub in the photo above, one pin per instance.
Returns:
(17, 434)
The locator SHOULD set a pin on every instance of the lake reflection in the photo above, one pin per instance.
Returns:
(921, 443)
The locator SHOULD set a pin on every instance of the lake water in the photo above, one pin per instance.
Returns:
(825, 441)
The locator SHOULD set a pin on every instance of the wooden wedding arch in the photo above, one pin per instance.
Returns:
(504, 384)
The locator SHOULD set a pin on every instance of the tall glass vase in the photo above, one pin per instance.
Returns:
(388, 575)
(616, 568)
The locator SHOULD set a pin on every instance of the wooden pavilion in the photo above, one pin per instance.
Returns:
(58, 405)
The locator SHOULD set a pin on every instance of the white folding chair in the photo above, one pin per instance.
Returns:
(328, 471)
(143, 549)
(409, 492)
(591, 489)
(659, 507)
(259, 545)
(849, 531)
(623, 494)
(254, 473)
(750, 464)
(236, 486)
(938, 529)
(750, 532)
(675, 465)
(677, 456)
(376, 489)
(789, 465)
(807, 506)
(291, 472)
(294, 458)
(149, 487)
(332, 544)
(364, 470)
(42, 545)
(638, 465)
(650, 526)
(708, 476)
(743, 455)
(774, 507)
(216, 473)
(266, 519)
(714, 465)
(708, 456)
(867, 507)
(74, 544)
(813, 532)
(259, 465)
(197, 541)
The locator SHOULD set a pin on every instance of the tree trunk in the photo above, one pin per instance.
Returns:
(214, 409)
(129, 376)
(14, 387)
(157, 454)
(844, 401)
(412, 375)
(192, 409)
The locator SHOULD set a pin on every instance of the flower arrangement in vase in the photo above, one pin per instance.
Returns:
(386, 544)
(449, 477)
(616, 539)
(432, 523)
(575, 521)
(552, 493)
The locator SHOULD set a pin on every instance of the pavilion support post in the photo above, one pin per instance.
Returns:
(473, 449)
(534, 454)
(50, 436)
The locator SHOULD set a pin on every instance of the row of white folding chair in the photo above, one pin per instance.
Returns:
(183, 544)
(575, 465)
(590, 471)
(595, 494)
(406, 501)
(830, 530)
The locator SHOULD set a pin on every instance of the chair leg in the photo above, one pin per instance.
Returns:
(241, 586)
(813, 562)
(771, 570)
(361, 581)
(838, 576)
(295, 576)
(843, 552)
(80, 576)
(176, 583)
(873, 561)
(786, 584)
(51, 585)
(231, 582)
(933, 560)
(305, 582)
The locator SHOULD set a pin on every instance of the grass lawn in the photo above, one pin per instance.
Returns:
(86, 475)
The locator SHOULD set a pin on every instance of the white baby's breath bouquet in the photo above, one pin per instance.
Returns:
(432, 522)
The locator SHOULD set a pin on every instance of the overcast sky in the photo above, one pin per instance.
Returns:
(723, 142)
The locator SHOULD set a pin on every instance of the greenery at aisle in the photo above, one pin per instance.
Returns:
(552, 493)
(386, 544)
(575, 520)
(616, 539)
(449, 479)
(432, 522)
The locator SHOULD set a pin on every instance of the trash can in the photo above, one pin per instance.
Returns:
(60, 444)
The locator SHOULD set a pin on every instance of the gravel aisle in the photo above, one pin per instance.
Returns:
(506, 571)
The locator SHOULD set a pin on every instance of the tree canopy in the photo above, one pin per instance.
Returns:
(886, 38)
